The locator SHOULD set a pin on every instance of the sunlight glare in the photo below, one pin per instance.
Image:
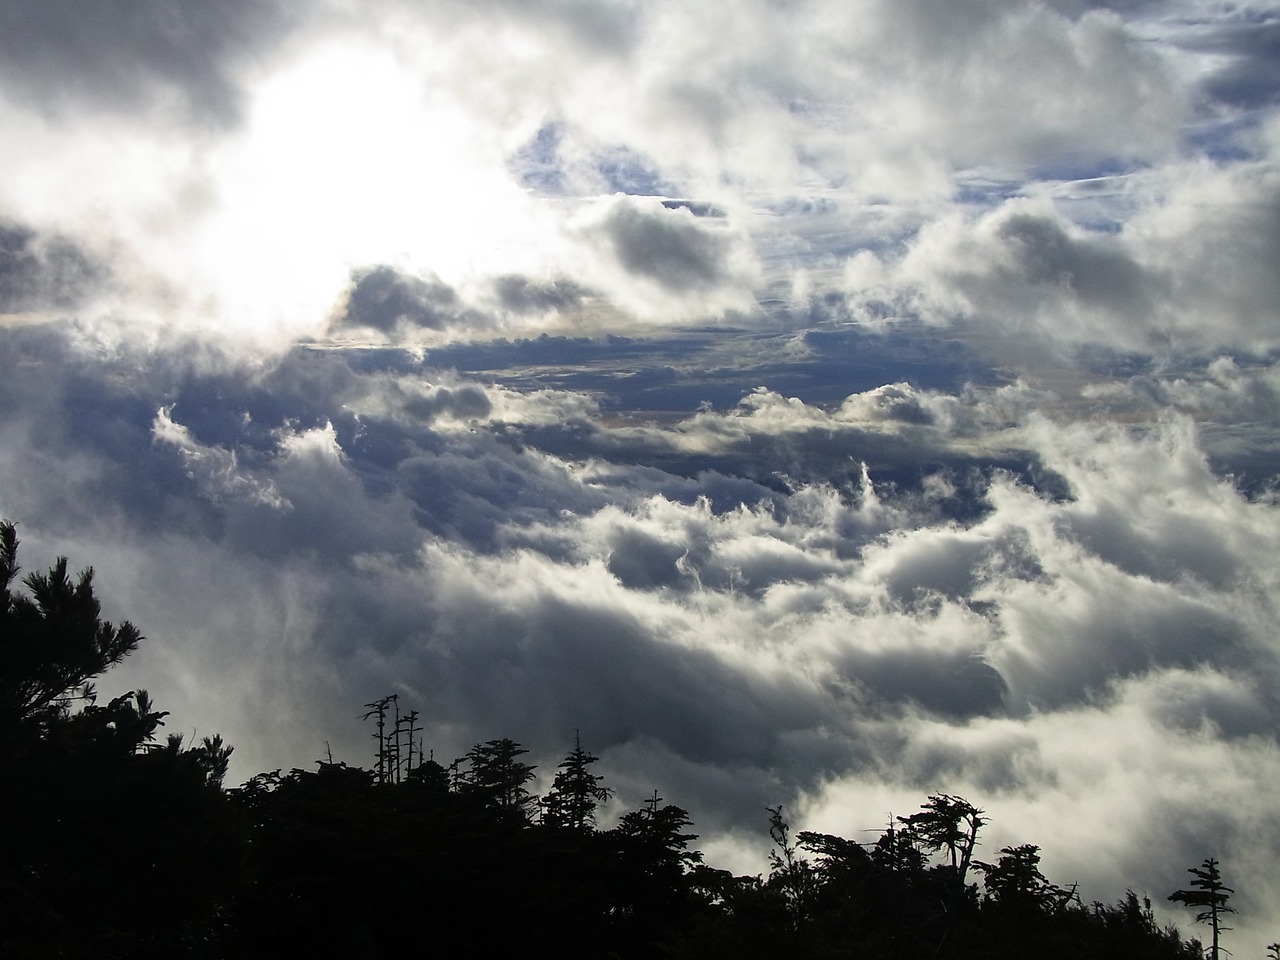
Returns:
(349, 161)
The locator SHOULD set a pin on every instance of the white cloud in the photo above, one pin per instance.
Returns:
(214, 469)
(1190, 271)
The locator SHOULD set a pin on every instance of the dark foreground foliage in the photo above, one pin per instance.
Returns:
(116, 846)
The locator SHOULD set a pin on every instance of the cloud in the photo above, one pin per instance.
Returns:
(668, 250)
(823, 403)
(523, 295)
(384, 299)
(215, 470)
(1185, 274)
(830, 640)
(44, 272)
(653, 260)
(184, 59)
(1247, 75)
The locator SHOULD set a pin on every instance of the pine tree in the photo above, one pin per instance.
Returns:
(53, 643)
(99, 818)
(1211, 894)
(498, 778)
(575, 792)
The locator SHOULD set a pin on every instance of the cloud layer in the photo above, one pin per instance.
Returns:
(826, 404)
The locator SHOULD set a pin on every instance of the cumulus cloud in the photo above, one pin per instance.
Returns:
(1185, 274)
(845, 645)
(654, 259)
(669, 251)
(384, 299)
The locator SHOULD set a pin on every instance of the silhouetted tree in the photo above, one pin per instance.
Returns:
(387, 758)
(655, 830)
(429, 775)
(406, 732)
(53, 643)
(1211, 894)
(99, 818)
(653, 895)
(951, 824)
(1015, 884)
(575, 792)
(1127, 930)
(790, 872)
(497, 777)
(898, 851)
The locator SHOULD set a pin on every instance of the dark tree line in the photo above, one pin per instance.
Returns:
(101, 823)
(119, 845)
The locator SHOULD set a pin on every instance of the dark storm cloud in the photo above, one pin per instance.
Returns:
(136, 56)
(948, 567)
(667, 247)
(1096, 647)
(43, 271)
(369, 435)
(162, 447)
(269, 454)
(1191, 548)
(383, 298)
(576, 666)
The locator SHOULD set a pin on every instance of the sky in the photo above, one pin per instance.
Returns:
(823, 403)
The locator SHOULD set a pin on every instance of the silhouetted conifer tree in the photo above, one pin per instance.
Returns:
(1015, 884)
(497, 777)
(99, 819)
(387, 746)
(575, 792)
(1211, 894)
(53, 643)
